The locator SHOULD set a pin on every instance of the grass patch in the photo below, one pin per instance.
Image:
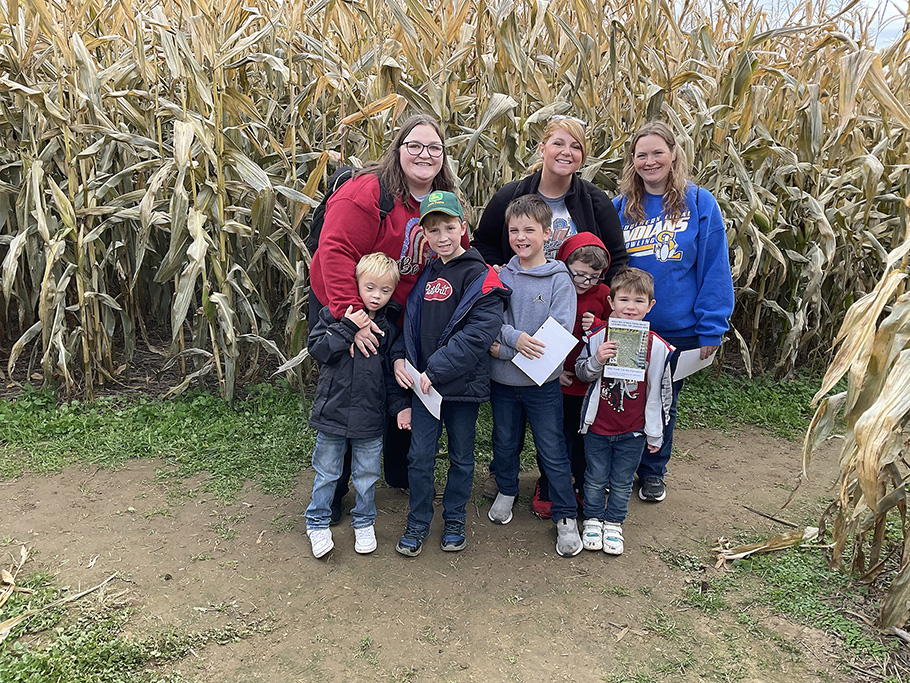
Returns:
(264, 437)
(724, 401)
(799, 584)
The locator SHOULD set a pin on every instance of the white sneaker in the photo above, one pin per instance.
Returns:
(321, 541)
(501, 510)
(612, 539)
(568, 542)
(364, 540)
(592, 534)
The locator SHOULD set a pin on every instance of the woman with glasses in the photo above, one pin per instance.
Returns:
(578, 207)
(413, 166)
(674, 230)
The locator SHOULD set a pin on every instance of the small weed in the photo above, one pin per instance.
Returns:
(158, 512)
(201, 557)
(680, 560)
(645, 590)
(662, 625)
(703, 598)
(282, 523)
(427, 635)
(222, 529)
(617, 590)
(637, 676)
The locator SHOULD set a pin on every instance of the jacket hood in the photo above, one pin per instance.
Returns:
(545, 270)
(582, 239)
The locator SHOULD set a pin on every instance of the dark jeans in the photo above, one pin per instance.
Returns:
(655, 464)
(611, 464)
(396, 442)
(575, 445)
(543, 408)
(460, 419)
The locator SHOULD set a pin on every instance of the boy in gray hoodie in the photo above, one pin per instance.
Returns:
(541, 288)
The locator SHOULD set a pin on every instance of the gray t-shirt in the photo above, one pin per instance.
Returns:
(562, 226)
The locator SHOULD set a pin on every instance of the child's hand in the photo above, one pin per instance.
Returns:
(566, 378)
(494, 350)
(404, 419)
(587, 321)
(425, 383)
(401, 374)
(653, 449)
(359, 318)
(605, 351)
(529, 347)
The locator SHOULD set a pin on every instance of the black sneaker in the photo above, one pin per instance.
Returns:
(411, 542)
(652, 490)
(453, 537)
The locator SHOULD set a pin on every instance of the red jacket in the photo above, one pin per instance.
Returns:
(352, 230)
(594, 300)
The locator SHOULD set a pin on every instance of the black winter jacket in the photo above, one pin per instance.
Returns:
(354, 393)
(590, 208)
(460, 367)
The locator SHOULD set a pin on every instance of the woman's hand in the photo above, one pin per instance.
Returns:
(605, 351)
(494, 350)
(402, 376)
(359, 318)
(707, 351)
(566, 378)
(653, 449)
(404, 419)
(366, 339)
(529, 347)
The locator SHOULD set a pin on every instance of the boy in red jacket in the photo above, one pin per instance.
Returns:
(587, 260)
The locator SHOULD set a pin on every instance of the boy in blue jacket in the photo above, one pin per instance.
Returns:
(352, 397)
(451, 317)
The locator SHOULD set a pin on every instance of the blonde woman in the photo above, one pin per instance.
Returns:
(673, 229)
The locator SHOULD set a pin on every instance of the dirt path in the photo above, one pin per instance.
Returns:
(506, 609)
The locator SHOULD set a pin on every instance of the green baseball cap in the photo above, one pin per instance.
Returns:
(444, 202)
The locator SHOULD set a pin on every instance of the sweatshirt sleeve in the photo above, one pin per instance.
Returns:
(350, 230)
(610, 233)
(330, 339)
(397, 399)
(587, 367)
(565, 300)
(659, 386)
(714, 299)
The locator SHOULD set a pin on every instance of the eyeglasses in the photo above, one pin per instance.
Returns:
(415, 149)
(566, 117)
(585, 279)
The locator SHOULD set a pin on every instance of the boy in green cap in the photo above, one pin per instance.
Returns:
(451, 317)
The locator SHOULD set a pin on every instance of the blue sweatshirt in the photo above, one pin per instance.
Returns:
(690, 263)
(537, 294)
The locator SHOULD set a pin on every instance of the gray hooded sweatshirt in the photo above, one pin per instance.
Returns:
(537, 294)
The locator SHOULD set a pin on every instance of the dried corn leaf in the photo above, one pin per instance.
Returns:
(782, 541)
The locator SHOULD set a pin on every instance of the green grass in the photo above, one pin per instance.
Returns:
(264, 437)
(91, 647)
(724, 401)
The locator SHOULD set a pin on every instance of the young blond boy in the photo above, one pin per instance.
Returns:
(541, 288)
(451, 317)
(353, 395)
(620, 417)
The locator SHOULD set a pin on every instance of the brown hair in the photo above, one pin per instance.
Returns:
(388, 168)
(532, 206)
(378, 265)
(592, 255)
(632, 187)
(573, 127)
(632, 280)
(437, 217)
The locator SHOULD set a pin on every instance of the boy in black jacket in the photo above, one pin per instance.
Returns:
(451, 318)
(352, 396)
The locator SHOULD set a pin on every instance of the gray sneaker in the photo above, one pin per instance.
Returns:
(568, 542)
(501, 510)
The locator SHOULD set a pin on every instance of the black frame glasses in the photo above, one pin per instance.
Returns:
(415, 149)
(584, 279)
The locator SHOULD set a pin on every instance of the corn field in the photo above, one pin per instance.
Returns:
(159, 159)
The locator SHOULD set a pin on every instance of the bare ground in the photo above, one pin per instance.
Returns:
(505, 609)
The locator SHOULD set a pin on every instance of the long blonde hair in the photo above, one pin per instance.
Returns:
(632, 187)
(570, 125)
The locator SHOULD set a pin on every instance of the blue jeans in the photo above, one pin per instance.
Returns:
(328, 460)
(543, 408)
(655, 464)
(611, 463)
(460, 420)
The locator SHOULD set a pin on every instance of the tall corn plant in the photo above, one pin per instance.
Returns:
(874, 353)
(161, 157)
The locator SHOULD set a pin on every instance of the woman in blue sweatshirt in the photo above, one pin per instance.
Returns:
(673, 229)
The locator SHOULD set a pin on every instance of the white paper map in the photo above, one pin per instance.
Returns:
(558, 342)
